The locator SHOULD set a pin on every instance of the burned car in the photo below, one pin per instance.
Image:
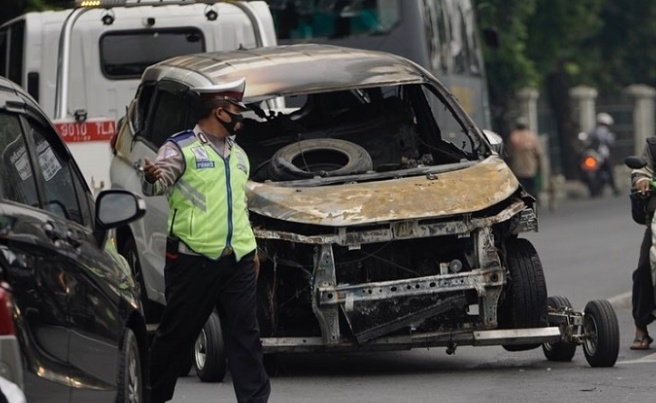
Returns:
(385, 218)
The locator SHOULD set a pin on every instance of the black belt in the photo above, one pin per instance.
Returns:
(182, 248)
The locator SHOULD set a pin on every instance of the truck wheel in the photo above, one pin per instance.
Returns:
(210, 358)
(562, 350)
(524, 303)
(602, 334)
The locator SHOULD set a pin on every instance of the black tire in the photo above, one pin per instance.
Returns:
(602, 342)
(130, 383)
(210, 358)
(524, 303)
(319, 157)
(561, 351)
(151, 309)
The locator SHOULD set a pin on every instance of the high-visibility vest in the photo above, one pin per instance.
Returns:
(207, 205)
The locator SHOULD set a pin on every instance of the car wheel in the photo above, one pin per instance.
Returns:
(524, 303)
(602, 342)
(129, 251)
(130, 382)
(210, 358)
(562, 350)
(319, 157)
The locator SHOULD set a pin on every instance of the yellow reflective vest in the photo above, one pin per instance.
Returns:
(207, 205)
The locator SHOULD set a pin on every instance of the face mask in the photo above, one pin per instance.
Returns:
(234, 119)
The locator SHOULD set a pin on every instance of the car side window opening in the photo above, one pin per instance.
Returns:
(60, 194)
(18, 183)
(168, 113)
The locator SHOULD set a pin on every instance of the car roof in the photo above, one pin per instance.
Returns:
(11, 94)
(316, 68)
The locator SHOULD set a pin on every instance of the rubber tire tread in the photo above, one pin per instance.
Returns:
(282, 168)
(561, 351)
(216, 364)
(129, 347)
(525, 303)
(608, 334)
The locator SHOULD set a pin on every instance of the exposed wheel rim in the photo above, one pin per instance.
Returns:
(133, 379)
(592, 341)
(200, 350)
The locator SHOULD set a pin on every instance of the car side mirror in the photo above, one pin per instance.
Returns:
(495, 141)
(115, 208)
(635, 162)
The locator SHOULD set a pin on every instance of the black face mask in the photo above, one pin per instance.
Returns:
(234, 119)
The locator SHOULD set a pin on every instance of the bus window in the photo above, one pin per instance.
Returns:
(307, 19)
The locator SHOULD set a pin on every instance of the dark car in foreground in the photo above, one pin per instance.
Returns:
(71, 325)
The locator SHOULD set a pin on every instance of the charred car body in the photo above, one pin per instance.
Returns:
(384, 217)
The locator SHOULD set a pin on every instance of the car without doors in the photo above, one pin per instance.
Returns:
(385, 218)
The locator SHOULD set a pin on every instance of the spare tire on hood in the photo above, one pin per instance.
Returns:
(319, 158)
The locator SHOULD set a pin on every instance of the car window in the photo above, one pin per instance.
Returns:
(60, 193)
(17, 176)
(168, 113)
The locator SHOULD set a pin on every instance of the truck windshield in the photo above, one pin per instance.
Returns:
(126, 54)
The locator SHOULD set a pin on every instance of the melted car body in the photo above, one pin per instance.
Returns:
(384, 216)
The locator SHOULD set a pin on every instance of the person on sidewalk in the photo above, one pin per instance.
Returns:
(642, 299)
(525, 153)
(211, 260)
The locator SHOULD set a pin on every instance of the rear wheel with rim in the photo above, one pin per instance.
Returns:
(130, 381)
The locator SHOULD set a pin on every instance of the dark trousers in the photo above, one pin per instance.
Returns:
(195, 286)
(643, 288)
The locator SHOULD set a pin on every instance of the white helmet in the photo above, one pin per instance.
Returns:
(605, 119)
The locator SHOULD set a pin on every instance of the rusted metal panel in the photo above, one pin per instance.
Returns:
(462, 191)
(354, 236)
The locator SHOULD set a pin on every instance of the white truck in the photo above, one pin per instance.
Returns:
(83, 65)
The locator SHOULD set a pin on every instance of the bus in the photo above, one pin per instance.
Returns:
(440, 35)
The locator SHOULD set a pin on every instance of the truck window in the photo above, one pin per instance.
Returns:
(126, 54)
(12, 39)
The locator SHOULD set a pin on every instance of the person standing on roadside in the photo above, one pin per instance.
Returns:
(642, 298)
(211, 260)
(525, 153)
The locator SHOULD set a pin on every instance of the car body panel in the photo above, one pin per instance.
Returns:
(404, 241)
(72, 296)
(419, 197)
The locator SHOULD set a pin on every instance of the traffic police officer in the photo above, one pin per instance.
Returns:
(210, 254)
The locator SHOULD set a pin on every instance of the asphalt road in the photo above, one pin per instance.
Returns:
(588, 249)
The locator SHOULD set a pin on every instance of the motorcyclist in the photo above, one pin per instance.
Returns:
(601, 138)
(643, 303)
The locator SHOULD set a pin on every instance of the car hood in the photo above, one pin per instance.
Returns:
(419, 197)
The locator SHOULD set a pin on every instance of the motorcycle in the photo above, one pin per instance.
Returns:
(592, 158)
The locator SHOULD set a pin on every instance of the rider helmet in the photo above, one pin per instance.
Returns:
(604, 119)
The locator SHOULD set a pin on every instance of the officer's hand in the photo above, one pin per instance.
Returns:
(256, 265)
(643, 186)
(151, 172)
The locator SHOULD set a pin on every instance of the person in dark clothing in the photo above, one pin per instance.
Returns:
(643, 283)
(211, 260)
